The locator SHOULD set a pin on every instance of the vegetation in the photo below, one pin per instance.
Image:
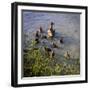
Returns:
(38, 63)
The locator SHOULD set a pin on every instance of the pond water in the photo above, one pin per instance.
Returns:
(66, 25)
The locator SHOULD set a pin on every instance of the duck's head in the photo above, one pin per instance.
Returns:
(52, 23)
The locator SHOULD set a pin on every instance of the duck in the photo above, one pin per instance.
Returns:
(51, 31)
(52, 54)
(49, 51)
(40, 30)
(37, 34)
(67, 55)
(51, 25)
(37, 40)
(61, 40)
(44, 37)
(54, 45)
(50, 34)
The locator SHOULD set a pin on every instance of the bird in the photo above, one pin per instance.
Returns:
(50, 34)
(51, 31)
(37, 34)
(61, 40)
(47, 49)
(54, 45)
(52, 54)
(44, 37)
(40, 30)
(67, 55)
(49, 52)
(51, 26)
(37, 40)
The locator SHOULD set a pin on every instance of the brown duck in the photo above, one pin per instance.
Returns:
(67, 55)
(49, 52)
(54, 45)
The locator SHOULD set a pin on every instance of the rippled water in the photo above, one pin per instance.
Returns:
(66, 25)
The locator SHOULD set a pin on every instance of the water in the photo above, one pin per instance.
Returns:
(66, 25)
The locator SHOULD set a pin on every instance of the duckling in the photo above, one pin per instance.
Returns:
(51, 31)
(52, 25)
(50, 34)
(54, 45)
(67, 55)
(47, 49)
(52, 54)
(61, 40)
(40, 30)
(44, 37)
(49, 52)
(37, 34)
(37, 40)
